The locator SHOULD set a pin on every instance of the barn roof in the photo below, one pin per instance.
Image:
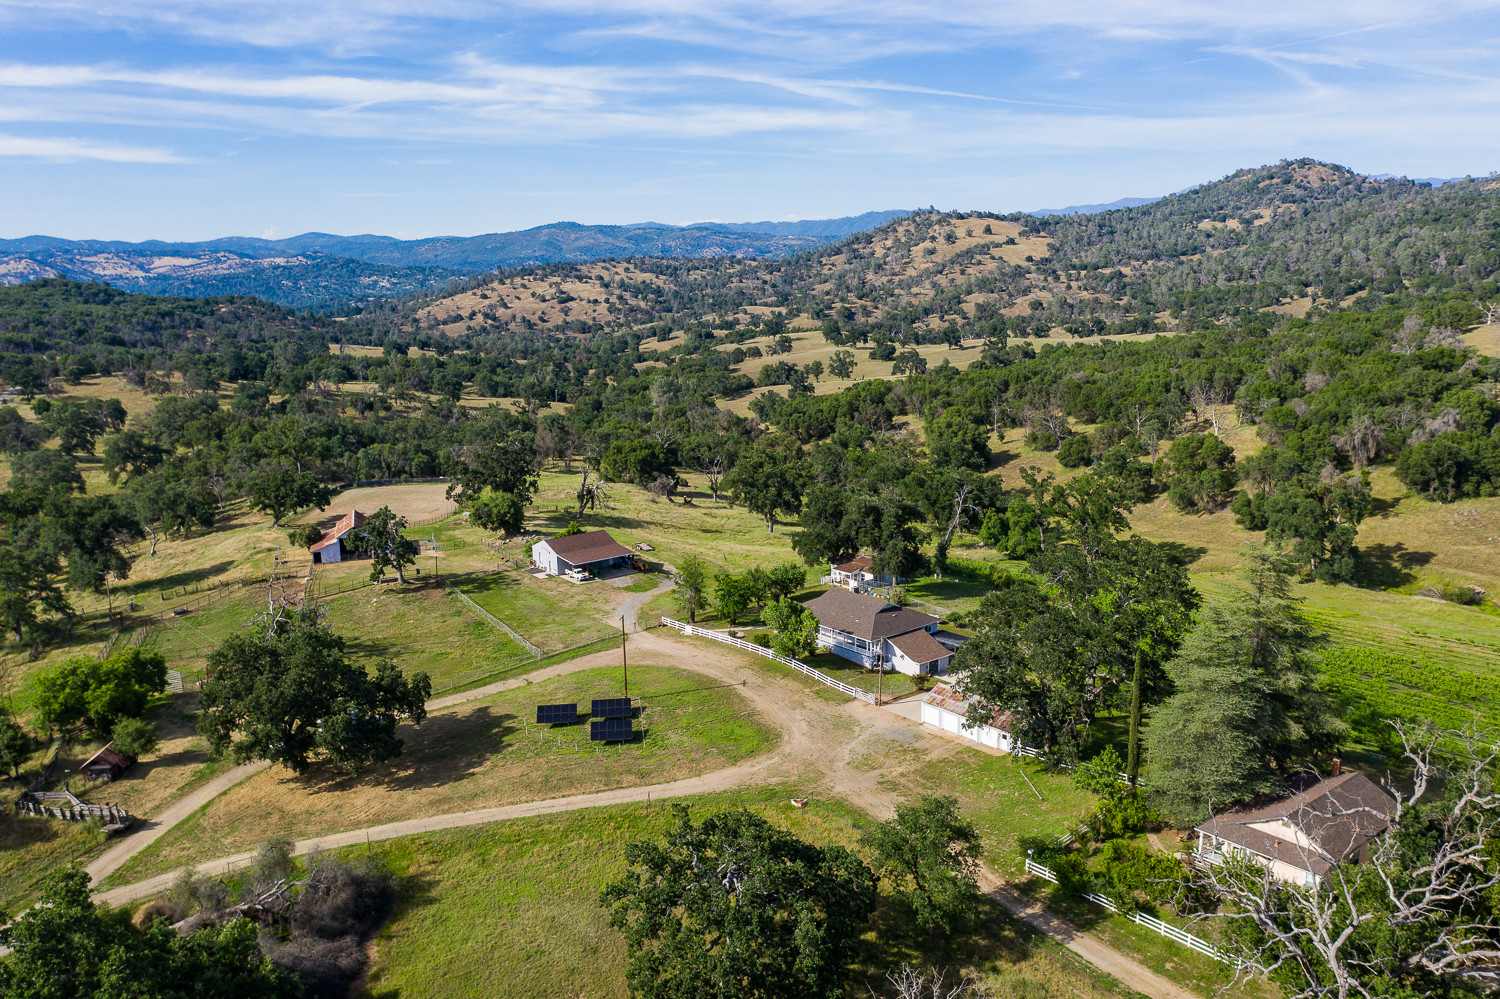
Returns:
(866, 617)
(109, 756)
(947, 698)
(347, 523)
(590, 546)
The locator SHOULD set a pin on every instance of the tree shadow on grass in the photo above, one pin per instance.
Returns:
(444, 749)
(187, 577)
(1182, 554)
(990, 938)
(1389, 566)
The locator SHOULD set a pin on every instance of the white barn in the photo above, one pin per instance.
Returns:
(943, 709)
(591, 551)
(332, 546)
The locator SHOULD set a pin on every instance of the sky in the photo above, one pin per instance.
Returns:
(191, 119)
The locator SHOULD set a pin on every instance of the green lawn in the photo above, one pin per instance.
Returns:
(889, 685)
(554, 613)
(424, 627)
(511, 909)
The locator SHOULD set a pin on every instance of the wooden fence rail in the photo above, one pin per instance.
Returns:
(1150, 922)
(761, 650)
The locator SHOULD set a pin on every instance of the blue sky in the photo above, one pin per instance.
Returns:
(189, 119)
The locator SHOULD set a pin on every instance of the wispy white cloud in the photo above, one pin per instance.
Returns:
(65, 149)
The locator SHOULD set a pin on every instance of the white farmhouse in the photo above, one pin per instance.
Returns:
(879, 635)
(1299, 837)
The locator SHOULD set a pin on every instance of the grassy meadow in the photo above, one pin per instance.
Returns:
(479, 754)
(512, 908)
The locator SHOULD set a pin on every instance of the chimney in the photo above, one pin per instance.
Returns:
(1337, 766)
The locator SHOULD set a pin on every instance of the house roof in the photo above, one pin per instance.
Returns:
(590, 546)
(866, 617)
(859, 563)
(109, 756)
(1338, 815)
(346, 523)
(947, 698)
(920, 647)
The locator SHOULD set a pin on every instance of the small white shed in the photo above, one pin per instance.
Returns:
(943, 709)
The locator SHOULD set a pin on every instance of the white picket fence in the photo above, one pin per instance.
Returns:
(1150, 922)
(761, 650)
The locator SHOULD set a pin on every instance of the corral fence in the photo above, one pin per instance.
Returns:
(1150, 922)
(63, 805)
(761, 650)
(535, 651)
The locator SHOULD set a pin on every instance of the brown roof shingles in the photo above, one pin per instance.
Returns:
(1337, 814)
(866, 617)
(920, 647)
(590, 546)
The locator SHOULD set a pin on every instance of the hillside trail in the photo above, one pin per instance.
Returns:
(822, 744)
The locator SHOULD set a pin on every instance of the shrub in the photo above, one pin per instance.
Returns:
(135, 737)
(304, 535)
(1076, 451)
(1129, 871)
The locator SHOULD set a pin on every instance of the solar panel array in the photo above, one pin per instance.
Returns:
(612, 730)
(612, 707)
(557, 714)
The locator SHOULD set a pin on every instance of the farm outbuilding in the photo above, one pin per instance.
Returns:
(943, 709)
(107, 764)
(333, 547)
(591, 552)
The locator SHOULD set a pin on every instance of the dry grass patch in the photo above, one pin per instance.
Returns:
(1485, 339)
(416, 501)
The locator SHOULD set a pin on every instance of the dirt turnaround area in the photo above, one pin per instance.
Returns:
(820, 748)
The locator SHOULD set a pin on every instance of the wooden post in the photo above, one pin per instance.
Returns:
(879, 685)
(624, 666)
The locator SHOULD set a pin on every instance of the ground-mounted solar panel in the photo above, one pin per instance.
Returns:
(557, 714)
(612, 730)
(612, 707)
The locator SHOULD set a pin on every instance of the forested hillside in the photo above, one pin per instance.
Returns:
(926, 385)
(1291, 237)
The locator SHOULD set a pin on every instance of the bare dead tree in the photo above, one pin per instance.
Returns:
(1332, 936)
(1209, 401)
(961, 508)
(908, 982)
(1491, 313)
(715, 467)
(1411, 336)
(1361, 442)
(1048, 419)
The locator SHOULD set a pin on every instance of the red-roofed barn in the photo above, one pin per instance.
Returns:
(332, 547)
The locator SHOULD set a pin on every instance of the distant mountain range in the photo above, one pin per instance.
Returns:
(318, 269)
(1093, 209)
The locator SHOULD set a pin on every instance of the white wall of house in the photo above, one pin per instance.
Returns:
(955, 724)
(901, 663)
(544, 558)
(333, 552)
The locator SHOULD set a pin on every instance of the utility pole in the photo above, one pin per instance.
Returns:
(879, 684)
(624, 666)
